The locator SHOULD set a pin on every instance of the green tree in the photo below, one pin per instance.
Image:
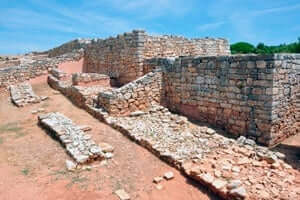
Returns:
(242, 47)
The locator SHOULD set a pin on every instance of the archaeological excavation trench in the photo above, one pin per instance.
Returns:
(189, 102)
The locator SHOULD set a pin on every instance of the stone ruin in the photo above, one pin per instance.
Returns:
(141, 84)
(22, 94)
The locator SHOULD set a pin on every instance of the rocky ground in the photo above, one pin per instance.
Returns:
(231, 168)
(33, 165)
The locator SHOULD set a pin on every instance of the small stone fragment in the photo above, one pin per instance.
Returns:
(210, 131)
(157, 179)
(137, 113)
(71, 166)
(106, 148)
(122, 194)
(207, 178)
(239, 192)
(85, 128)
(169, 175)
(159, 186)
(108, 155)
(219, 184)
(234, 184)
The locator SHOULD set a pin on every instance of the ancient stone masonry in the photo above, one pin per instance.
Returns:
(89, 79)
(24, 72)
(137, 95)
(68, 47)
(78, 144)
(22, 94)
(253, 95)
(123, 58)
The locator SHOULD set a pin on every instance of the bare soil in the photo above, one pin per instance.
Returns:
(32, 164)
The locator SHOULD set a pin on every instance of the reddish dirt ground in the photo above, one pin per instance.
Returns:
(32, 164)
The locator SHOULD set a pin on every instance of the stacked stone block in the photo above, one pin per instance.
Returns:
(17, 74)
(137, 95)
(245, 95)
(78, 144)
(90, 79)
(125, 57)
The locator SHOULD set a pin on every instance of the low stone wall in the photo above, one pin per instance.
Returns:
(245, 95)
(17, 74)
(137, 95)
(89, 79)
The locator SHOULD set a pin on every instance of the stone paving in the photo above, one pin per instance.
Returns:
(234, 169)
(22, 94)
(78, 144)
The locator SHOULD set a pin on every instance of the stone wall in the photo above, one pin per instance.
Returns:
(68, 47)
(245, 95)
(89, 79)
(124, 57)
(118, 57)
(137, 95)
(17, 74)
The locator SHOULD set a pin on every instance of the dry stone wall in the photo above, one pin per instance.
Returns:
(17, 74)
(245, 95)
(125, 57)
(68, 47)
(119, 57)
(89, 79)
(137, 95)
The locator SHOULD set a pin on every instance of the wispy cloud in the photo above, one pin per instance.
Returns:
(210, 26)
(276, 10)
(148, 8)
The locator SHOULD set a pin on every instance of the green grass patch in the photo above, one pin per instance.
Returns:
(1, 140)
(25, 171)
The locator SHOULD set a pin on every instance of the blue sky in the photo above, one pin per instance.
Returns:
(30, 25)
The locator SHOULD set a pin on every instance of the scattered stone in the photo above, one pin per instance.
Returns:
(210, 131)
(137, 113)
(108, 155)
(219, 184)
(122, 194)
(241, 140)
(207, 178)
(159, 186)
(106, 148)
(234, 184)
(71, 166)
(41, 110)
(280, 155)
(85, 128)
(44, 98)
(169, 175)
(34, 112)
(239, 192)
(157, 179)
(270, 158)
(236, 169)
(249, 142)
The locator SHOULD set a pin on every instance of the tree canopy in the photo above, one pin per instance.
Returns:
(261, 48)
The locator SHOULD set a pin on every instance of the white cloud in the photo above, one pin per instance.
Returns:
(210, 26)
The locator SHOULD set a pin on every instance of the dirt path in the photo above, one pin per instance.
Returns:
(32, 165)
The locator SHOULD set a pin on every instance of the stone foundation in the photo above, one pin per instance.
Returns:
(22, 94)
(78, 144)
